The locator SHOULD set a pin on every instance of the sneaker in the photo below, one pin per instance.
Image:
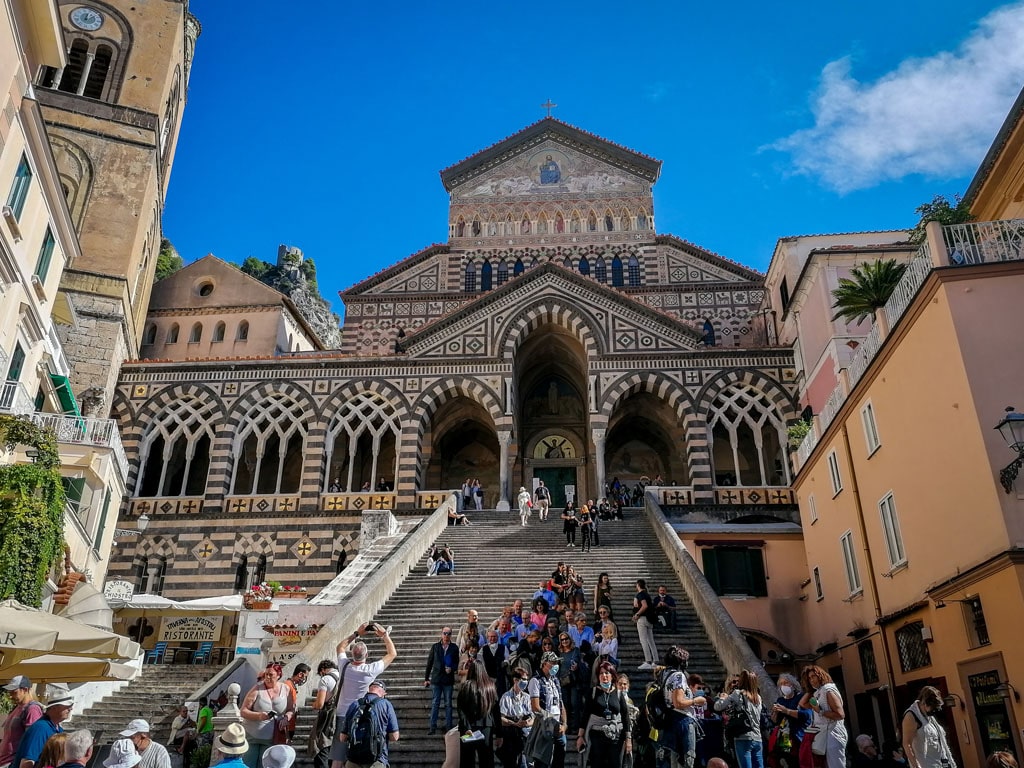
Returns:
(646, 665)
(568, 545)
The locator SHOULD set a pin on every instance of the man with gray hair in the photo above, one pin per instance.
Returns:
(77, 749)
(356, 674)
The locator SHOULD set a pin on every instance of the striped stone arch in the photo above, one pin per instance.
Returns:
(149, 413)
(653, 382)
(123, 412)
(776, 393)
(240, 409)
(552, 310)
(252, 544)
(385, 389)
(439, 393)
(155, 546)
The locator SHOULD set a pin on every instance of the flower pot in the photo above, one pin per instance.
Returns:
(259, 605)
(294, 594)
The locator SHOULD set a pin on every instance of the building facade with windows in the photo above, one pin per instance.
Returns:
(39, 242)
(909, 502)
(556, 336)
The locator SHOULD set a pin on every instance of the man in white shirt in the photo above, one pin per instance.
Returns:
(329, 678)
(352, 653)
(153, 755)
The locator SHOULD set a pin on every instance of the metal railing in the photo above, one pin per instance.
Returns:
(918, 268)
(984, 242)
(865, 354)
(806, 446)
(56, 350)
(82, 430)
(15, 399)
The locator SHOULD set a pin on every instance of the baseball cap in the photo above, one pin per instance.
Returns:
(18, 681)
(380, 684)
(136, 726)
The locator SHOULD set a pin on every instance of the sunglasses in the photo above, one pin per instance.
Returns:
(446, 633)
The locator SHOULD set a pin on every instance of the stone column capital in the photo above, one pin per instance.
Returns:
(505, 437)
(598, 435)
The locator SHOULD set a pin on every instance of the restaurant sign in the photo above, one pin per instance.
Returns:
(190, 628)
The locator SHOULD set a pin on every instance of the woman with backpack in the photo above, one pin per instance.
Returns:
(743, 704)
(477, 704)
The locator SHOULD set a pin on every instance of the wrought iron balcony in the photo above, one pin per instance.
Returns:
(80, 430)
(15, 399)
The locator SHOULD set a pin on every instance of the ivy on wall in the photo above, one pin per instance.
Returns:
(31, 511)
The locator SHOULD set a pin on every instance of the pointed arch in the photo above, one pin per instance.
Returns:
(270, 446)
(592, 221)
(625, 220)
(609, 220)
(502, 272)
(175, 448)
(550, 310)
(617, 280)
(567, 263)
(600, 270)
(519, 268)
(654, 382)
(709, 333)
(362, 440)
(486, 276)
(559, 223)
(543, 222)
(436, 395)
(641, 220)
(633, 271)
(576, 225)
(460, 227)
(584, 266)
(469, 282)
(524, 225)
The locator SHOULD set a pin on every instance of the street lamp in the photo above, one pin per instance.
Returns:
(1012, 430)
(142, 523)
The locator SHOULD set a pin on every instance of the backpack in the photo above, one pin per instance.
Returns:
(365, 739)
(27, 710)
(654, 703)
(321, 735)
(740, 721)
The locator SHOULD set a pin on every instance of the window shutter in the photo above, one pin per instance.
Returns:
(710, 558)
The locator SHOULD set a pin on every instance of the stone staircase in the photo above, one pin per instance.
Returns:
(153, 695)
(497, 561)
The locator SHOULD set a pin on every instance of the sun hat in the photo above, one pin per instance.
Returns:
(61, 701)
(136, 726)
(278, 756)
(232, 741)
(122, 755)
(18, 681)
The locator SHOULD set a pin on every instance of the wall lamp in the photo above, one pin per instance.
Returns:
(1004, 689)
(1012, 430)
(141, 524)
(940, 603)
(950, 699)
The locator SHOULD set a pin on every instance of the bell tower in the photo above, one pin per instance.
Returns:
(113, 115)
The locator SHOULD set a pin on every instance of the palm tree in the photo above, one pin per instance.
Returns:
(870, 286)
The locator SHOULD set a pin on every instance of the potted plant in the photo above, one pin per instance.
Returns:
(294, 592)
(258, 598)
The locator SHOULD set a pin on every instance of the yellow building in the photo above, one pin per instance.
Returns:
(911, 510)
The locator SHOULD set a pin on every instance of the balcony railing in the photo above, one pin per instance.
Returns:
(960, 245)
(56, 350)
(15, 399)
(79, 430)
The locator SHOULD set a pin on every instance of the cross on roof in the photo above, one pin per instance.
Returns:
(548, 105)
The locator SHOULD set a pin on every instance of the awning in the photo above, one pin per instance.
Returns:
(30, 632)
(62, 387)
(72, 669)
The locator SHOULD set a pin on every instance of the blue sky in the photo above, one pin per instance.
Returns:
(323, 124)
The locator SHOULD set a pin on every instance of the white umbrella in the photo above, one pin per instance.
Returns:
(72, 669)
(225, 603)
(29, 632)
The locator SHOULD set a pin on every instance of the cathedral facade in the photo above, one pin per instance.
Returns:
(556, 336)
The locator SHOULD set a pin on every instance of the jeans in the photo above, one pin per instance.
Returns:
(748, 753)
(679, 742)
(435, 705)
(645, 630)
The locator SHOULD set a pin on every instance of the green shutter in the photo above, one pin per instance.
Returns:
(710, 559)
(67, 398)
(45, 254)
(758, 581)
(102, 527)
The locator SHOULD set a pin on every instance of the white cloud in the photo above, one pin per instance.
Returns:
(934, 116)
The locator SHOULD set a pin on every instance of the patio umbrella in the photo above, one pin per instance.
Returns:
(29, 632)
(72, 669)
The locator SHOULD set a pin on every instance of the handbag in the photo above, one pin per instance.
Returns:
(321, 735)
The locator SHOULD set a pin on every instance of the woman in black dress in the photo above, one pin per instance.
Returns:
(605, 728)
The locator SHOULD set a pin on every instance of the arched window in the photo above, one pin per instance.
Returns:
(150, 337)
(141, 575)
(172, 334)
(476, 227)
(510, 227)
(601, 270)
(242, 573)
(243, 330)
(567, 263)
(149, 575)
(748, 439)
(634, 271)
(524, 226)
(624, 220)
(709, 333)
(641, 220)
(485, 276)
(542, 223)
(592, 222)
(269, 450)
(460, 228)
(197, 334)
(609, 222)
(98, 72)
(575, 227)
(218, 332)
(584, 266)
(361, 442)
(617, 272)
(559, 223)
(518, 268)
(175, 454)
(470, 277)
(342, 557)
(75, 67)
(502, 272)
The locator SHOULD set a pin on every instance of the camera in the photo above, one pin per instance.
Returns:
(371, 627)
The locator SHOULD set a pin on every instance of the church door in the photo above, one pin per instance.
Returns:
(556, 478)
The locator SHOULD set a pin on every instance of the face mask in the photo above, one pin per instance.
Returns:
(786, 691)
(521, 685)
(554, 670)
(607, 685)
